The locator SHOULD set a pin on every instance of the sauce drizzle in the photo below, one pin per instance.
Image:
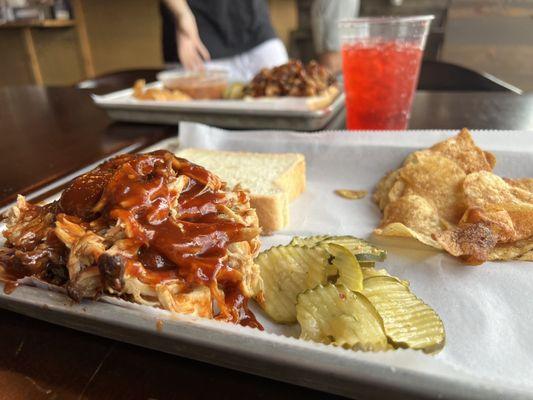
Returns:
(170, 211)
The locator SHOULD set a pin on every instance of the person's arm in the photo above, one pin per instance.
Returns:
(332, 60)
(191, 51)
(325, 15)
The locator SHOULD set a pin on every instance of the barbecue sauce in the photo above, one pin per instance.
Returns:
(32, 249)
(190, 245)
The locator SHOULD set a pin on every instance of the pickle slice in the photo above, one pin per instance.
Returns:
(366, 264)
(308, 240)
(408, 321)
(346, 266)
(371, 272)
(360, 248)
(287, 271)
(335, 315)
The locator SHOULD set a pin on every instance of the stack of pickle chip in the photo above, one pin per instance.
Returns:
(330, 285)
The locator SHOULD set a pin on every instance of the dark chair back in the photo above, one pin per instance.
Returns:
(443, 76)
(119, 79)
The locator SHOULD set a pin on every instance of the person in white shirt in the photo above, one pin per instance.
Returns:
(235, 35)
(325, 14)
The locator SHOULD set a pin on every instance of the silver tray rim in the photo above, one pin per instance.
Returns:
(293, 361)
(300, 363)
(106, 102)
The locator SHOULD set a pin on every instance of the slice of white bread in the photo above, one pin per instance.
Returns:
(273, 179)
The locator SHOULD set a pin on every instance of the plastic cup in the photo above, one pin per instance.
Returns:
(380, 62)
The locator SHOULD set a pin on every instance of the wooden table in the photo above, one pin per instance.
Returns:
(46, 133)
(474, 110)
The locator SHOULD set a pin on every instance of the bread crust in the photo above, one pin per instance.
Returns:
(293, 181)
(272, 209)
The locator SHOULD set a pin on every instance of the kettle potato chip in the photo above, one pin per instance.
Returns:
(524, 183)
(484, 189)
(437, 179)
(520, 250)
(447, 197)
(411, 216)
(465, 153)
(383, 188)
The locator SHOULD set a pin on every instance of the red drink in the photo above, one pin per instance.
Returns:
(380, 80)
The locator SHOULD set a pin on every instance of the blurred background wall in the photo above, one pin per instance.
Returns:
(103, 35)
(494, 37)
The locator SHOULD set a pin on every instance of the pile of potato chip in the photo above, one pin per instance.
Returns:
(140, 92)
(330, 286)
(447, 197)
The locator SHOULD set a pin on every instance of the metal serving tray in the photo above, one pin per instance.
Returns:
(286, 359)
(459, 294)
(236, 114)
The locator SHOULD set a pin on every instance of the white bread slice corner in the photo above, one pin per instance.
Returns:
(273, 179)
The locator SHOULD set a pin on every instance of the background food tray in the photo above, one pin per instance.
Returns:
(486, 310)
(287, 113)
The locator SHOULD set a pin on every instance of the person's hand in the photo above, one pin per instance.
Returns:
(191, 51)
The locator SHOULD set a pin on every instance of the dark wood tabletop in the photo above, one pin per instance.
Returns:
(43, 361)
(474, 110)
(46, 133)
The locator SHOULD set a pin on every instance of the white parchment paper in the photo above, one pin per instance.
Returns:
(487, 310)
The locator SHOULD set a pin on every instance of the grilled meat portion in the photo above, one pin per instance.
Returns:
(291, 79)
(32, 248)
(152, 228)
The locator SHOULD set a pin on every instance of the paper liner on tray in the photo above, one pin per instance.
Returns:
(486, 310)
